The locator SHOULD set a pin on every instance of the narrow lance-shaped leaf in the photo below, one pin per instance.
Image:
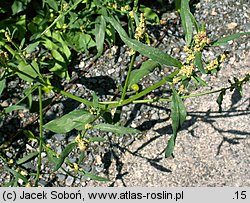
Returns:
(28, 157)
(136, 75)
(28, 70)
(64, 154)
(177, 5)
(2, 85)
(13, 108)
(97, 139)
(198, 62)
(226, 39)
(73, 120)
(186, 21)
(200, 81)
(100, 27)
(51, 155)
(95, 100)
(17, 175)
(151, 52)
(178, 116)
(116, 129)
(92, 176)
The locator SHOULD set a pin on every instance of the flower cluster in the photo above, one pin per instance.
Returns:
(82, 143)
(141, 29)
(125, 8)
(214, 64)
(200, 41)
(190, 54)
(187, 70)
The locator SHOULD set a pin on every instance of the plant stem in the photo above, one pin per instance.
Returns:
(117, 103)
(144, 92)
(140, 94)
(127, 78)
(204, 93)
(41, 135)
(59, 17)
(76, 98)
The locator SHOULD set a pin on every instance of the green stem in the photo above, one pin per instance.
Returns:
(144, 92)
(127, 78)
(76, 98)
(9, 49)
(141, 94)
(59, 17)
(117, 103)
(41, 135)
(204, 93)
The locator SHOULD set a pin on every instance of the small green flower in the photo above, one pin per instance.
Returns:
(135, 87)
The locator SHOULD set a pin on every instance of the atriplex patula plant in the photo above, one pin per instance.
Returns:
(61, 28)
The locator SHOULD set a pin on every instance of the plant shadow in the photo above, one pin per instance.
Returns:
(209, 117)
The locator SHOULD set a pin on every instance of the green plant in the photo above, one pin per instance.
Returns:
(61, 29)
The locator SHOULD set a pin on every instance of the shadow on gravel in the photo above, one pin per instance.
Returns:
(102, 85)
(210, 117)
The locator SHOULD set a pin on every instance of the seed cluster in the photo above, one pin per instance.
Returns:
(82, 143)
(141, 29)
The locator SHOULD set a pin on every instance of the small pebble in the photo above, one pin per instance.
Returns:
(69, 181)
(4, 104)
(231, 25)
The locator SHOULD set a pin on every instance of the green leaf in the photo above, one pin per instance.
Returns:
(64, 154)
(63, 47)
(220, 99)
(52, 4)
(151, 52)
(13, 108)
(73, 120)
(226, 39)
(170, 146)
(178, 112)
(146, 68)
(97, 139)
(95, 100)
(19, 5)
(28, 70)
(100, 27)
(92, 176)
(200, 81)
(195, 23)
(119, 130)
(17, 175)
(51, 155)
(178, 116)
(186, 21)
(149, 14)
(2, 86)
(79, 41)
(31, 47)
(82, 156)
(27, 158)
(28, 93)
(177, 5)
(60, 65)
(198, 62)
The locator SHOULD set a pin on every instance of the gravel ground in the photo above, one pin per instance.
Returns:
(212, 148)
